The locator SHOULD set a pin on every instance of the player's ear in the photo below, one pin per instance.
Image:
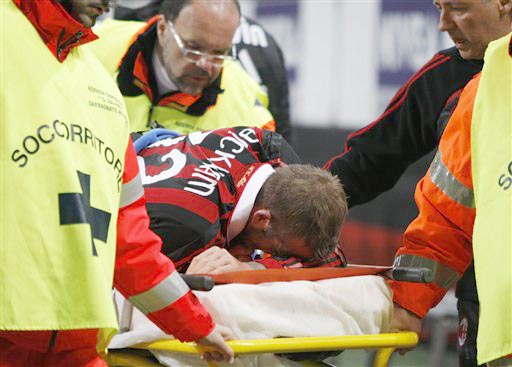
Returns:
(161, 27)
(260, 219)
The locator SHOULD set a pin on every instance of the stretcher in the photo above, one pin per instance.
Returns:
(384, 343)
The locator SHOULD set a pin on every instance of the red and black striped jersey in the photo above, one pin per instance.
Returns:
(201, 188)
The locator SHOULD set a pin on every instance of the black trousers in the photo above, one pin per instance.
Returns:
(468, 328)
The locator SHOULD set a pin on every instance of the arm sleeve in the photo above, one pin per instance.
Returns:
(376, 156)
(440, 238)
(145, 276)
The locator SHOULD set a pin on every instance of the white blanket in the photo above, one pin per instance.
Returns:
(343, 306)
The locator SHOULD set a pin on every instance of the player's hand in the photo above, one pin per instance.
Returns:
(216, 260)
(216, 339)
(404, 320)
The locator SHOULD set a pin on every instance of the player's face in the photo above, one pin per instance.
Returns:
(289, 247)
(270, 242)
(472, 24)
(87, 11)
(203, 26)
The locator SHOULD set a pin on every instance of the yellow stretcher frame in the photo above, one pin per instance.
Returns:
(385, 343)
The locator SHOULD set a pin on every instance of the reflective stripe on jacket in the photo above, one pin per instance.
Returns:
(470, 178)
(440, 237)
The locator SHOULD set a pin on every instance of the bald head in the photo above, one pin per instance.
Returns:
(172, 8)
(215, 17)
(206, 27)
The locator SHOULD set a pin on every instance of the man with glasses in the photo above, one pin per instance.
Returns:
(177, 70)
(256, 50)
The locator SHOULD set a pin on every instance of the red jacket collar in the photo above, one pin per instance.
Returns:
(176, 100)
(59, 31)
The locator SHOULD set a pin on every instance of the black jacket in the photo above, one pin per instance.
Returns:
(375, 156)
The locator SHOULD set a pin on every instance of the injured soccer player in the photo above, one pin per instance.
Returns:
(215, 197)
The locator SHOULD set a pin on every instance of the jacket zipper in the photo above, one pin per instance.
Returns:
(73, 39)
(53, 337)
(149, 121)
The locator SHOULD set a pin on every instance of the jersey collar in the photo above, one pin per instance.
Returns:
(248, 184)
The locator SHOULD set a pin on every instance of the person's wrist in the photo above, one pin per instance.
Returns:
(405, 310)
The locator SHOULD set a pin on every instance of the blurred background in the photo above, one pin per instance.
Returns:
(345, 60)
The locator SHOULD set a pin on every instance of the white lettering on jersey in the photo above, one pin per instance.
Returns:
(209, 173)
(176, 160)
(204, 177)
(246, 134)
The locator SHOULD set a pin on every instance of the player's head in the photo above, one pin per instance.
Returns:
(298, 212)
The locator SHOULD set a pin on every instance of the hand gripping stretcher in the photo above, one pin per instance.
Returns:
(384, 343)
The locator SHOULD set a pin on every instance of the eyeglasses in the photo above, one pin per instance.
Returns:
(198, 56)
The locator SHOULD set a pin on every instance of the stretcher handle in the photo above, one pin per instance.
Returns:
(198, 282)
(415, 275)
(294, 345)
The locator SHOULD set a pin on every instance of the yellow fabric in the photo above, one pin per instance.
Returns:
(56, 120)
(242, 103)
(115, 38)
(491, 152)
